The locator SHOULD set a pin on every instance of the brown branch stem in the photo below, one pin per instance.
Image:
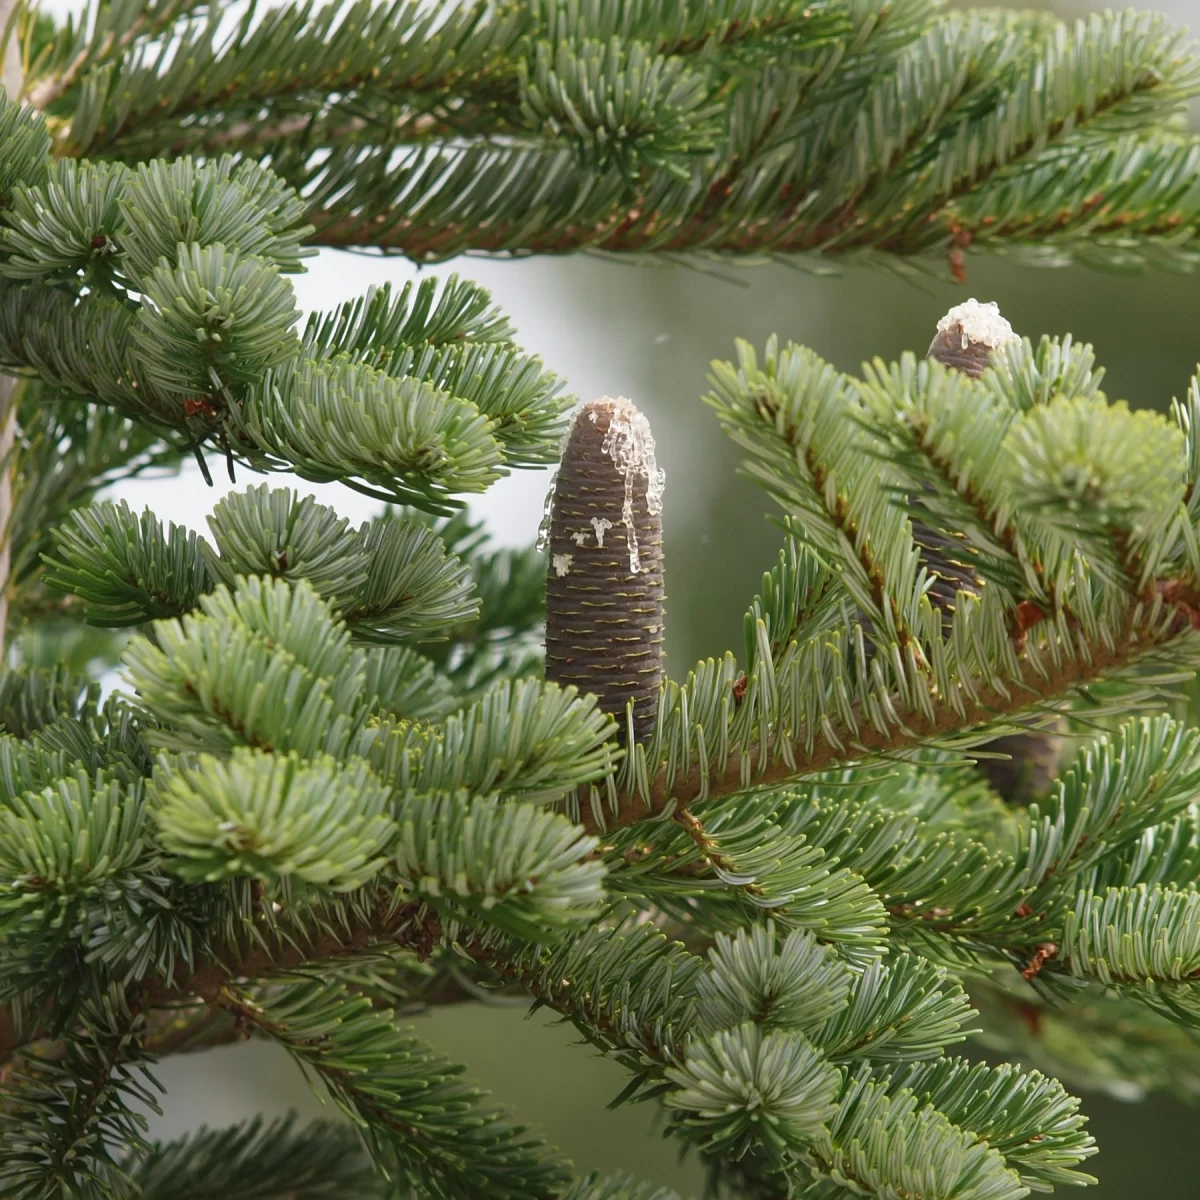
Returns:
(53, 87)
(989, 705)
(411, 926)
(707, 847)
(255, 134)
(194, 1025)
(46, 91)
(390, 925)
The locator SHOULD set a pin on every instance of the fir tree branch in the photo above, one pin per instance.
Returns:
(1136, 645)
(631, 999)
(296, 940)
(66, 1118)
(824, 700)
(1101, 1041)
(211, 893)
(152, 20)
(272, 953)
(185, 1024)
(503, 115)
(421, 1125)
(594, 1186)
(10, 387)
(322, 1160)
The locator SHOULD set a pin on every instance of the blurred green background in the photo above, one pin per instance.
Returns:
(649, 331)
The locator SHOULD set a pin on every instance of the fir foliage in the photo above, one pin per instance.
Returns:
(68, 1117)
(333, 788)
(323, 1161)
(654, 125)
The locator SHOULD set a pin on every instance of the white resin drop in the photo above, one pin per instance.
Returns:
(601, 525)
(630, 444)
(543, 534)
(980, 323)
(580, 537)
(562, 564)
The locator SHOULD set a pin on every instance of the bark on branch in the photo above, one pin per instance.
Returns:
(990, 706)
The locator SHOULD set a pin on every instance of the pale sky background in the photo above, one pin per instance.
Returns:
(537, 302)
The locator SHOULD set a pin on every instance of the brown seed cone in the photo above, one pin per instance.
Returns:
(965, 341)
(1030, 768)
(604, 582)
(948, 349)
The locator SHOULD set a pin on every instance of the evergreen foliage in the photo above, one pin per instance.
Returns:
(334, 785)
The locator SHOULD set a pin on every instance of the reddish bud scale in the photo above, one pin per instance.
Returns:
(604, 583)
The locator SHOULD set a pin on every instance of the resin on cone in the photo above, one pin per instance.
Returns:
(968, 335)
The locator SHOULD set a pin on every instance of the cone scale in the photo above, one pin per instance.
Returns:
(604, 580)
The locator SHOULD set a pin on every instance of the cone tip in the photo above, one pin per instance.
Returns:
(606, 404)
(979, 323)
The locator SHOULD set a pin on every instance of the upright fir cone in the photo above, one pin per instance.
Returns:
(966, 338)
(604, 583)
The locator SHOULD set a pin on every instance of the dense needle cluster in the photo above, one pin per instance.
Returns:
(350, 773)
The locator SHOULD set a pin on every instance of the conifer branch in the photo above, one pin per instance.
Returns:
(104, 44)
(322, 1160)
(419, 1122)
(273, 953)
(504, 97)
(65, 1116)
(337, 791)
(10, 387)
(814, 439)
(1135, 646)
